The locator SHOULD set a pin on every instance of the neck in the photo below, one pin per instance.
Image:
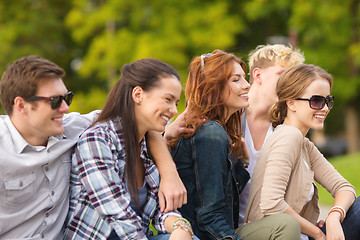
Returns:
(258, 109)
(290, 122)
(26, 133)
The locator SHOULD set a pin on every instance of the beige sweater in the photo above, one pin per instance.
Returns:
(281, 178)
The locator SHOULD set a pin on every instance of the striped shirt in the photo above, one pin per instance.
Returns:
(99, 199)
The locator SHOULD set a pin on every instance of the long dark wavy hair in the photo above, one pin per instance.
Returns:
(204, 92)
(145, 73)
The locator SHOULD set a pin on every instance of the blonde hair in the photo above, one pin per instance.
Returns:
(291, 85)
(264, 56)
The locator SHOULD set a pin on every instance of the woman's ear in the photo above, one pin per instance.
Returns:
(291, 105)
(137, 94)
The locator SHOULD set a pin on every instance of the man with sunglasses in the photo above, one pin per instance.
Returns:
(36, 142)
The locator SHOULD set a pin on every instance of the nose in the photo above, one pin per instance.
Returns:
(63, 107)
(245, 84)
(173, 110)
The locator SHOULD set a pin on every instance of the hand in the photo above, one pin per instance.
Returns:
(172, 192)
(245, 151)
(178, 126)
(333, 227)
(320, 224)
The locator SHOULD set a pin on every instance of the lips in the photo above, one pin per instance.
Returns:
(320, 116)
(165, 118)
(244, 95)
(58, 119)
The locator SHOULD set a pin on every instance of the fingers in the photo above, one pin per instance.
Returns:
(162, 202)
(246, 154)
(175, 200)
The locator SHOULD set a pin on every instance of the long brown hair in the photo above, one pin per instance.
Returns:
(145, 73)
(208, 76)
(292, 83)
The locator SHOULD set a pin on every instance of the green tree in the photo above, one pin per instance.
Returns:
(116, 32)
(328, 33)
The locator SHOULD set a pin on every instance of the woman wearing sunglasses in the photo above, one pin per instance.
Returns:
(209, 159)
(289, 164)
(114, 181)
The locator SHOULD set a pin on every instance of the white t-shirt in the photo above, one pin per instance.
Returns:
(254, 154)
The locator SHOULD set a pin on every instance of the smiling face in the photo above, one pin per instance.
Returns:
(41, 121)
(154, 108)
(301, 115)
(235, 93)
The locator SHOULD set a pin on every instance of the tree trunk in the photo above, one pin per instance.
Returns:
(351, 128)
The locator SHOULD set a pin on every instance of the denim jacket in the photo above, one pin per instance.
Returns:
(213, 181)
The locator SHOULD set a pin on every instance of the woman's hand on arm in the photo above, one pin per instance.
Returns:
(178, 126)
(172, 192)
(179, 232)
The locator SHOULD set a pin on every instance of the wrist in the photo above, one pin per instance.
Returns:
(182, 224)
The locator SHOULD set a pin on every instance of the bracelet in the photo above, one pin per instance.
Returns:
(245, 163)
(340, 210)
(183, 224)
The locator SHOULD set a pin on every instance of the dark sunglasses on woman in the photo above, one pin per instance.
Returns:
(318, 102)
(55, 101)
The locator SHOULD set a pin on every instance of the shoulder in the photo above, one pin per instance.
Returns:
(287, 134)
(75, 123)
(211, 130)
(105, 130)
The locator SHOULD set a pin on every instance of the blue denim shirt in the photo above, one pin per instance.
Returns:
(213, 181)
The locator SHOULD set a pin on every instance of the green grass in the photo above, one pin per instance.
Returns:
(349, 167)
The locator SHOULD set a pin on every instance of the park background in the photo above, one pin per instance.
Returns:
(93, 39)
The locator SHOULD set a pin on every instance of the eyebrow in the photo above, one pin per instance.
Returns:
(173, 97)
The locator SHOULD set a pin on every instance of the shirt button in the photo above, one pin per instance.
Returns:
(21, 183)
(42, 235)
(46, 214)
(46, 168)
(52, 193)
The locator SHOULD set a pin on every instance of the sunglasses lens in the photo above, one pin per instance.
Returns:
(68, 98)
(330, 102)
(317, 102)
(56, 102)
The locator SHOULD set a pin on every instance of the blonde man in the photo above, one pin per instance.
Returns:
(266, 63)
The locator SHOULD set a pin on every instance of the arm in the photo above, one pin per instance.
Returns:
(172, 192)
(178, 233)
(306, 227)
(211, 163)
(337, 185)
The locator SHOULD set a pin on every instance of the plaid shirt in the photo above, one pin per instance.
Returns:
(99, 199)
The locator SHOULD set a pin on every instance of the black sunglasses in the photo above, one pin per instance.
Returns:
(55, 101)
(317, 102)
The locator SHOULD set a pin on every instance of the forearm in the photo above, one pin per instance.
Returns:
(307, 227)
(172, 192)
(161, 154)
(344, 199)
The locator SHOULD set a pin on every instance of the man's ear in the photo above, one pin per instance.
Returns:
(256, 73)
(19, 104)
(137, 94)
(291, 105)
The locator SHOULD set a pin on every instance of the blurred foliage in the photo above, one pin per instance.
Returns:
(93, 39)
